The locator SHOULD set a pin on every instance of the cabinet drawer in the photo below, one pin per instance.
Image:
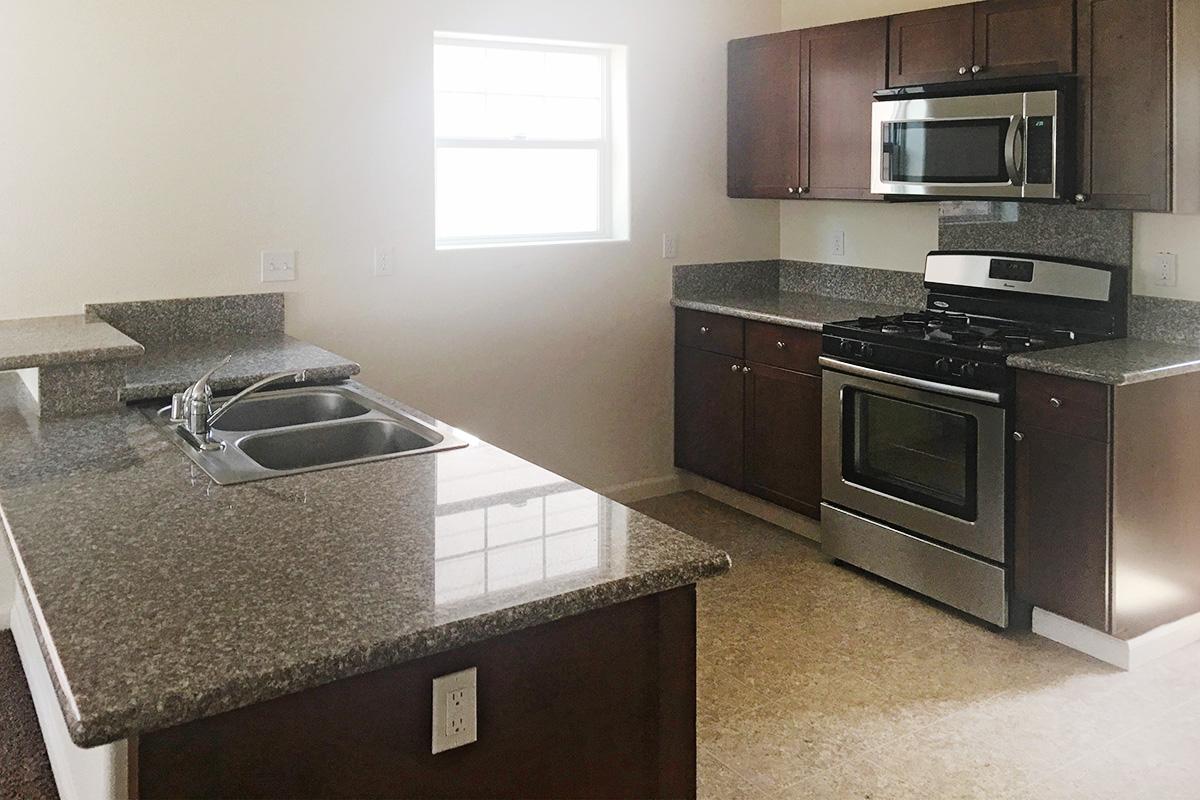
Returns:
(712, 332)
(780, 346)
(1079, 408)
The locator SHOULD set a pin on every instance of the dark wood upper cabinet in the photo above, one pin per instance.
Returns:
(994, 39)
(764, 116)
(1125, 104)
(932, 46)
(783, 437)
(709, 400)
(840, 67)
(1024, 37)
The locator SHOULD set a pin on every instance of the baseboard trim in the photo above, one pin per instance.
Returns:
(644, 489)
(1127, 654)
(757, 507)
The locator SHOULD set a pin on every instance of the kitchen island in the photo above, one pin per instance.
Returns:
(280, 637)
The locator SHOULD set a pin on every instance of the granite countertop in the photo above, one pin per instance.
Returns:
(1117, 362)
(170, 367)
(798, 310)
(72, 339)
(161, 597)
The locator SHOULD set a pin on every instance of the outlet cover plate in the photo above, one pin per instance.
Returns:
(385, 262)
(278, 265)
(1166, 269)
(454, 707)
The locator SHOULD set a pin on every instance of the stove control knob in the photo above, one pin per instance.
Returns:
(847, 347)
(968, 369)
(944, 365)
(867, 350)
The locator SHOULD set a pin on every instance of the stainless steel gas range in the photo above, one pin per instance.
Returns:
(917, 456)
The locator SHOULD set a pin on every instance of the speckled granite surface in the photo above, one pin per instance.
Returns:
(893, 287)
(1164, 319)
(41, 341)
(168, 368)
(1060, 230)
(194, 318)
(1116, 363)
(735, 277)
(167, 598)
(808, 311)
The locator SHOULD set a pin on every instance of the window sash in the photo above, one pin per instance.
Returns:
(603, 146)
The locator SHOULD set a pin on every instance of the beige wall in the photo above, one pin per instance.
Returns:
(152, 149)
(898, 236)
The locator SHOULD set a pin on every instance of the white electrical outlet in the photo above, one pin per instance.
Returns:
(278, 265)
(670, 245)
(454, 702)
(837, 243)
(385, 262)
(1166, 269)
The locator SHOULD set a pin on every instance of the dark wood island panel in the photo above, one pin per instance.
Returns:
(602, 704)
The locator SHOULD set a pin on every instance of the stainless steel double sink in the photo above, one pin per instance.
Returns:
(299, 430)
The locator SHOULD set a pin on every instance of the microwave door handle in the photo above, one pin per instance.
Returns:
(1014, 151)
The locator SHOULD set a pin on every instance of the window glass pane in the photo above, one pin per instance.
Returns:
(460, 115)
(573, 75)
(515, 71)
(516, 192)
(458, 69)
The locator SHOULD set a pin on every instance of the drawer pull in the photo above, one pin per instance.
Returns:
(746, 370)
(1055, 402)
(735, 368)
(704, 329)
(1018, 436)
(780, 345)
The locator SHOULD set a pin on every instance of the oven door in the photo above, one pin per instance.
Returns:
(916, 456)
(970, 146)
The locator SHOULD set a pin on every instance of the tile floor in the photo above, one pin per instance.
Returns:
(819, 681)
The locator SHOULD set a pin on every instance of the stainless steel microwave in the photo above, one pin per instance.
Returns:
(1004, 146)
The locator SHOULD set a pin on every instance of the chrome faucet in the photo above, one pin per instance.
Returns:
(192, 408)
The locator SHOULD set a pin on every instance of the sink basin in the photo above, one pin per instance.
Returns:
(287, 409)
(355, 440)
(287, 431)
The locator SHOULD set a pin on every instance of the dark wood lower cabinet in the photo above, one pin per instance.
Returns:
(750, 420)
(783, 437)
(1106, 501)
(602, 704)
(709, 398)
(1062, 525)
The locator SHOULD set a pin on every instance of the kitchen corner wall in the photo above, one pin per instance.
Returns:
(152, 149)
(897, 236)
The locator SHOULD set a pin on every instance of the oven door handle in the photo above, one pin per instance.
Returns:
(1014, 151)
(911, 383)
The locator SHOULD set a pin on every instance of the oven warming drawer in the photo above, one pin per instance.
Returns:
(958, 580)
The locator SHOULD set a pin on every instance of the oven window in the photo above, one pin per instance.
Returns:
(949, 151)
(914, 452)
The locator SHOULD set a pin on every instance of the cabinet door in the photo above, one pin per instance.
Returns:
(933, 46)
(783, 438)
(1062, 525)
(840, 67)
(764, 116)
(1024, 37)
(709, 402)
(1125, 104)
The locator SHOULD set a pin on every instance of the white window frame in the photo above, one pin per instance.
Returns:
(607, 183)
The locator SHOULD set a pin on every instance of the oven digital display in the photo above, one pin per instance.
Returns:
(1005, 269)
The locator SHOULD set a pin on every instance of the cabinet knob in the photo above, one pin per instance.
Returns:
(1055, 402)
(780, 345)
(962, 70)
(735, 368)
(1081, 198)
(704, 330)
(803, 190)
(746, 370)
(976, 69)
(791, 190)
(1018, 436)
